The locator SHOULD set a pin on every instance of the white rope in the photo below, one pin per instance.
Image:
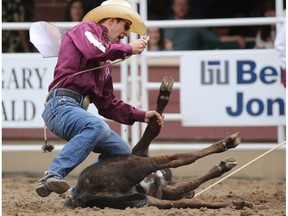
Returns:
(267, 152)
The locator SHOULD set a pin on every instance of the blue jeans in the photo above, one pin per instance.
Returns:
(84, 132)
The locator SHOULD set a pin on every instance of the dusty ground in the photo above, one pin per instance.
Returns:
(268, 197)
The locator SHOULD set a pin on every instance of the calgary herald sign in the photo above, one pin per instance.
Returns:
(232, 88)
(25, 80)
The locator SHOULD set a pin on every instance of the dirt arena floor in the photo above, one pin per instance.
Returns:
(267, 195)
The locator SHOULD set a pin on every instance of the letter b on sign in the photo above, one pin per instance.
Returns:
(246, 72)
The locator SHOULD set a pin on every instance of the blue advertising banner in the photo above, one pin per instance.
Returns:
(232, 88)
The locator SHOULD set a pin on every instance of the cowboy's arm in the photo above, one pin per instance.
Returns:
(112, 108)
(127, 114)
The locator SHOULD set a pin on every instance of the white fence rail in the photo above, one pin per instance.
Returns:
(170, 23)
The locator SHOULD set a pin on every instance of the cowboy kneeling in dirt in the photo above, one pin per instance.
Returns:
(91, 44)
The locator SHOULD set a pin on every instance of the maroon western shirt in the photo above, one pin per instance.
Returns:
(84, 47)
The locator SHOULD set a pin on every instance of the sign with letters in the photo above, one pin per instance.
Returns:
(232, 88)
(25, 80)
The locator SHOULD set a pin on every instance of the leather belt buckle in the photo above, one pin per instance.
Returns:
(86, 102)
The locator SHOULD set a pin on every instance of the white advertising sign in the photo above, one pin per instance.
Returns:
(232, 88)
(25, 80)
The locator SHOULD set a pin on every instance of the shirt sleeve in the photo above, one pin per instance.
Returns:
(89, 38)
(123, 113)
(110, 107)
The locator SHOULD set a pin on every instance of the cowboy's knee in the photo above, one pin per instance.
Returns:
(101, 129)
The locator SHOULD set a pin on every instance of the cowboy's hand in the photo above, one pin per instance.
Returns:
(150, 114)
(138, 46)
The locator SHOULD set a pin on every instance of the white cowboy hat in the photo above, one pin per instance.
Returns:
(118, 9)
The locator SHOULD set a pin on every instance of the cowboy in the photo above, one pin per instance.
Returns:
(91, 44)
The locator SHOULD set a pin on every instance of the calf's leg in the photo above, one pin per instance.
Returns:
(183, 203)
(179, 189)
(195, 203)
(153, 129)
(177, 160)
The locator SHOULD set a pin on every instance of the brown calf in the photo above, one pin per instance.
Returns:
(138, 180)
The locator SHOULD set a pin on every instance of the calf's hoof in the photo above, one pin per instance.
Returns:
(167, 84)
(69, 202)
(227, 164)
(232, 141)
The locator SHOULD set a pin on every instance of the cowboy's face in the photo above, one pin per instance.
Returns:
(117, 29)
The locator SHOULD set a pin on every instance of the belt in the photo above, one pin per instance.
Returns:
(65, 92)
(83, 101)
